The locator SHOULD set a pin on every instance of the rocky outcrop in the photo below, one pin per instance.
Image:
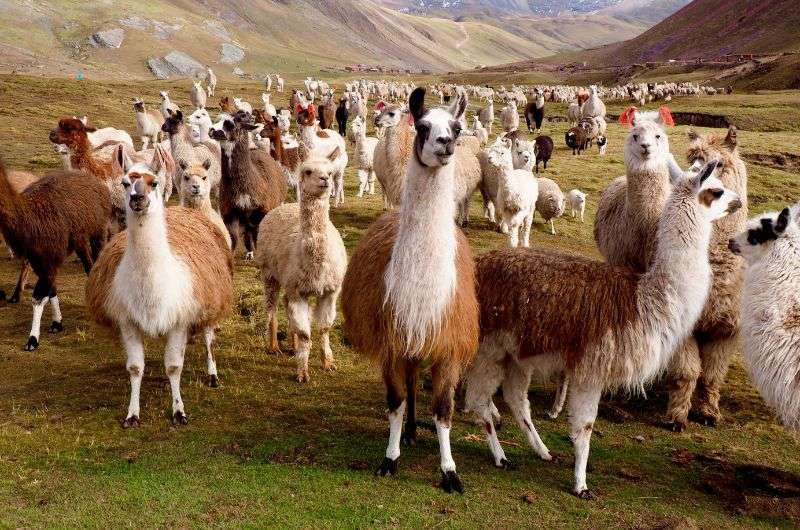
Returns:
(231, 54)
(174, 63)
(109, 38)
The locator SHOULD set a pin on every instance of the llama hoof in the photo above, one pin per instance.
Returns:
(32, 343)
(281, 335)
(451, 482)
(329, 366)
(213, 382)
(180, 418)
(56, 327)
(707, 420)
(275, 350)
(302, 377)
(409, 437)
(248, 256)
(587, 495)
(551, 414)
(675, 426)
(132, 421)
(505, 464)
(387, 467)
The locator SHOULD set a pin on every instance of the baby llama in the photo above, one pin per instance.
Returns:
(607, 327)
(170, 273)
(771, 309)
(409, 293)
(364, 156)
(302, 253)
(576, 199)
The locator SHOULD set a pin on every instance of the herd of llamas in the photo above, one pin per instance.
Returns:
(686, 281)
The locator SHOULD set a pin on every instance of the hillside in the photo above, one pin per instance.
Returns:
(290, 36)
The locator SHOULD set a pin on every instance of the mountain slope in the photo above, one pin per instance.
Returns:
(283, 35)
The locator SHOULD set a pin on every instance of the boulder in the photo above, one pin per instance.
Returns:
(109, 38)
(231, 54)
(238, 72)
(159, 67)
(174, 63)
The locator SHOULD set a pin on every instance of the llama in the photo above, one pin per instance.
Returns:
(198, 95)
(486, 115)
(608, 327)
(573, 114)
(62, 212)
(269, 108)
(279, 83)
(19, 181)
(195, 193)
(364, 156)
(244, 106)
(493, 161)
(522, 151)
(577, 203)
(342, 114)
(148, 123)
(549, 202)
(253, 183)
(517, 192)
(303, 253)
(289, 154)
(168, 108)
(509, 117)
(577, 139)
(211, 81)
(480, 131)
(105, 136)
(594, 106)
(393, 152)
(170, 273)
(186, 151)
(534, 113)
(412, 276)
(770, 245)
(542, 150)
(321, 143)
(200, 125)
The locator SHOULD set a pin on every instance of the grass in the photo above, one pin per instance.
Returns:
(265, 451)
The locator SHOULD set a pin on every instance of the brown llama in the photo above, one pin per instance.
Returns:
(409, 293)
(19, 181)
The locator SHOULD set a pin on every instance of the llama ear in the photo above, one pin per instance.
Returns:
(707, 171)
(628, 116)
(692, 134)
(334, 155)
(183, 164)
(84, 119)
(380, 105)
(784, 218)
(731, 140)
(459, 106)
(207, 164)
(416, 104)
(298, 109)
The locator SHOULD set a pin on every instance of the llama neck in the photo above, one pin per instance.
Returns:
(182, 138)
(11, 203)
(147, 239)
(277, 145)
(83, 158)
(308, 135)
(201, 203)
(313, 229)
(648, 187)
(421, 276)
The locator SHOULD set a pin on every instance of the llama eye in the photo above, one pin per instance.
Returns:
(658, 137)
(205, 178)
(717, 193)
(308, 172)
(186, 177)
(635, 137)
(126, 184)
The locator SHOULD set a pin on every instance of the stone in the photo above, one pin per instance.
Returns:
(182, 63)
(231, 54)
(109, 38)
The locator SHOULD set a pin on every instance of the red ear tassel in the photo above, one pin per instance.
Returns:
(298, 108)
(310, 108)
(626, 118)
(666, 116)
(380, 105)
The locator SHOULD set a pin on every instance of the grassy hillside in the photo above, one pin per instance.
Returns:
(262, 450)
(292, 36)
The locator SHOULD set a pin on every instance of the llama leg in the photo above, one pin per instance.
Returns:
(515, 392)
(145, 142)
(56, 326)
(513, 235)
(41, 295)
(134, 351)
(325, 315)
(445, 378)
(173, 364)
(526, 231)
(299, 314)
(561, 396)
(409, 437)
(683, 371)
(583, 401)
(372, 179)
(362, 182)
(271, 291)
(208, 336)
(552, 228)
(248, 243)
(482, 381)
(396, 400)
(82, 250)
(23, 279)
(715, 358)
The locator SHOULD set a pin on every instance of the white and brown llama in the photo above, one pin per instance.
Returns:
(169, 274)
(608, 327)
(408, 297)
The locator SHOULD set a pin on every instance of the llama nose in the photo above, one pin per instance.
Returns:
(644, 145)
(53, 136)
(733, 246)
(195, 188)
(450, 147)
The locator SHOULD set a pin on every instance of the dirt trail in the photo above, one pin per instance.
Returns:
(463, 41)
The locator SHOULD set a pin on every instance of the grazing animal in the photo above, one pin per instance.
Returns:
(607, 327)
(770, 244)
(364, 156)
(480, 131)
(302, 253)
(576, 139)
(393, 152)
(594, 106)
(321, 143)
(168, 108)
(195, 193)
(602, 141)
(244, 106)
(493, 160)
(577, 203)
(574, 113)
(542, 150)
(253, 183)
(515, 201)
(486, 115)
(509, 117)
(211, 81)
(409, 294)
(170, 273)
(107, 135)
(19, 181)
(269, 108)
(190, 153)
(198, 95)
(342, 114)
(549, 202)
(148, 123)
(62, 212)
(534, 113)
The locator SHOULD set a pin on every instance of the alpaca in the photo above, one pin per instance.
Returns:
(303, 253)
(509, 117)
(364, 156)
(200, 125)
(573, 114)
(770, 245)
(550, 201)
(468, 176)
(577, 203)
(148, 123)
(211, 81)
(107, 135)
(62, 212)
(522, 151)
(517, 192)
(289, 155)
(170, 273)
(253, 183)
(269, 108)
(608, 327)
(409, 294)
(594, 106)
(393, 152)
(198, 95)
(186, 151)
(195, 193)
(242, 105)
(480, 131)
(321, 143)
(342, 114)
(486, 115)
(542, 150)
(534, 113)
(279, 82)
(168, 108)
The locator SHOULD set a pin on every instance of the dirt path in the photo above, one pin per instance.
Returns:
(463, 41)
